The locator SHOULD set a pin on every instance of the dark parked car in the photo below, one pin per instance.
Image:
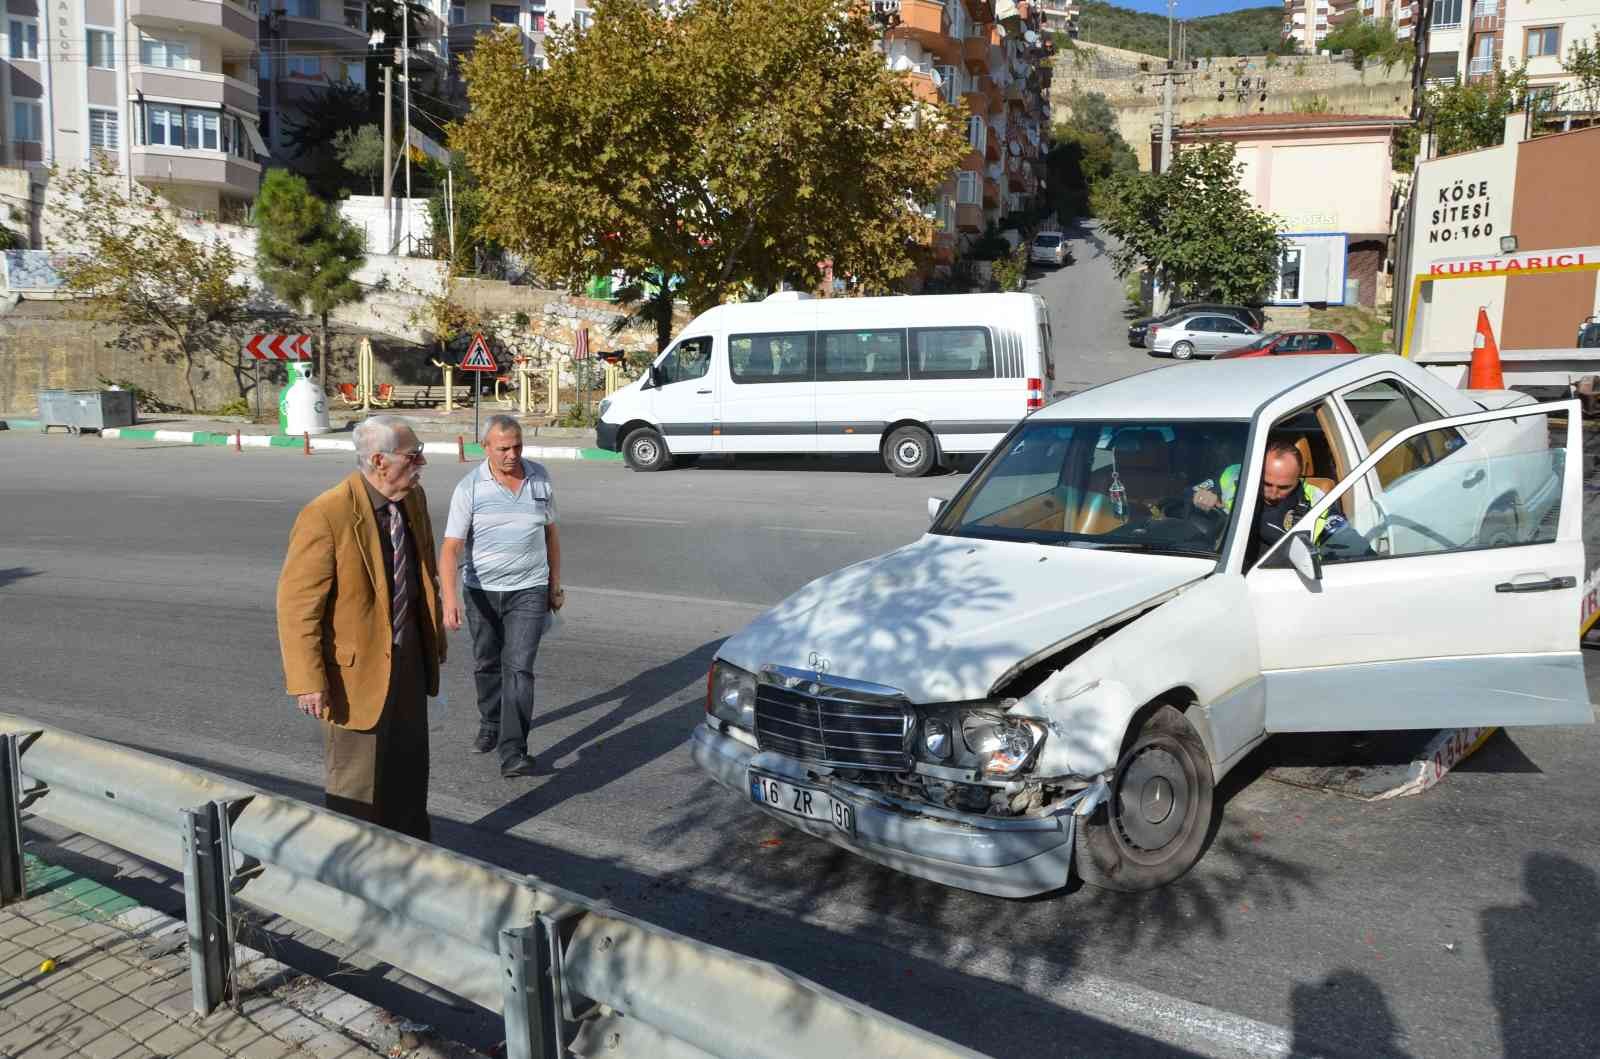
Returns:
(1250, 315)
(1279, 342)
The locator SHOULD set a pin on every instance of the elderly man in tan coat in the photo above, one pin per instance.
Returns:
(361, 629)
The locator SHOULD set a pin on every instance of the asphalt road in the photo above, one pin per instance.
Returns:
(136, 604)
(1089, 313)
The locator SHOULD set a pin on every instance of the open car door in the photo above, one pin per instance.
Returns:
(1443, 589)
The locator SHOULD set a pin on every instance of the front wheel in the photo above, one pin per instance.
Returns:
(1183, 350)
(1153, 827)
(645, 450)
(908, 452)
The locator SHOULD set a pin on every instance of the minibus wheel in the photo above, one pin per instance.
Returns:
(646, 450)
(909, 453)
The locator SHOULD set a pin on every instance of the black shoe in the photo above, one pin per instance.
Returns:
(519, 767)
(485, 742)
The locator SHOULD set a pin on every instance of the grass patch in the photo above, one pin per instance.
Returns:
(1362, 326)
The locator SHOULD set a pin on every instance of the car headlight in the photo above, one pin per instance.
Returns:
(1004, 746)
(731, 695)
(603, 406)
(937, 740)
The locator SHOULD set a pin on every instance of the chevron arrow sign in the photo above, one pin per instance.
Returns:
(279, 347)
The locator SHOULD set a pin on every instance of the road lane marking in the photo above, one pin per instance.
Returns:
(808, 529)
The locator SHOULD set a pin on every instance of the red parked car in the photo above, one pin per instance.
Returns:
(1276, 342)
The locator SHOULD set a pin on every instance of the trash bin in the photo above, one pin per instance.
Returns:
(57, 409)
(99, 409)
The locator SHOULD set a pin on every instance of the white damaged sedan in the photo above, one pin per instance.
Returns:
(1057, 675)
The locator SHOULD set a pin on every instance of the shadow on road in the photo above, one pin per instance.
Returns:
(12, 574)
(1353, 1007)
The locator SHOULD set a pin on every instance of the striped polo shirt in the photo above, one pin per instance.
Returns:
(504, 531)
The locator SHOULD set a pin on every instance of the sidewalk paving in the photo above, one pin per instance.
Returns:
(440, 434)
(119, 987)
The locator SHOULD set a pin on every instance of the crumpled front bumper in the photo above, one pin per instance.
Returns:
(1006, 857)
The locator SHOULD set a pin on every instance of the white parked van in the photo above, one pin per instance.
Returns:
(913, 378)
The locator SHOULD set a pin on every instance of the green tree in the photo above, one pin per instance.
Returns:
(1583, 64)
(306, 253)
(1370, 40)
(1195, 225)
(649, 300)
(736, 144)
(360, 151)
(128, 255)
(312, 134)
(1464, 117)
(1086, 150)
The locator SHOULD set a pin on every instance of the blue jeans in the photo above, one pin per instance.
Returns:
(506, 627)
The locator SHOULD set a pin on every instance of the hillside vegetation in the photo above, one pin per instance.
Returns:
(1252, 31)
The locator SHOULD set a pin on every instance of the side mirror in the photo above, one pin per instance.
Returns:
(1303, 557)
(935, 508)
(655, 377)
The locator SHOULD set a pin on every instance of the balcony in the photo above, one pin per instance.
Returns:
(1485, 9)
(923, 22)
(944, 248)
(323, 34)
(231, 23)
(975, 52)
(205, 169)
(923, 88)
(969, 217)
(1480, 65)
(208, 88)
(972, 161)
(991, 193)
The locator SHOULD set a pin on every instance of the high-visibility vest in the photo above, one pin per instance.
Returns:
(1230, 488)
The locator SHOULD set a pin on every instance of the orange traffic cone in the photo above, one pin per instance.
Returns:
(1485, 371)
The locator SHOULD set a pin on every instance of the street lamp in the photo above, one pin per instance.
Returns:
(1508, 244)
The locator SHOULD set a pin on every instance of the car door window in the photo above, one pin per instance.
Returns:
(1385, 407)
(1291, 344)
(1203, 324)
(1232, 326)
(1437, 493)
(688, 360)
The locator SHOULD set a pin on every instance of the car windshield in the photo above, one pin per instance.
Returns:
(1102, 484)
(1047, 240)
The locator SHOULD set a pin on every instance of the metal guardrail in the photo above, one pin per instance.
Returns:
(571, 976)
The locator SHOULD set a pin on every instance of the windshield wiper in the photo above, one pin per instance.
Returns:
(1137, 546)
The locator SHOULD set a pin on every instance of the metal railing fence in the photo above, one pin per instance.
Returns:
(570, 975)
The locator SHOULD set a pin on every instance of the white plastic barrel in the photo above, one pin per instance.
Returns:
(305, 406)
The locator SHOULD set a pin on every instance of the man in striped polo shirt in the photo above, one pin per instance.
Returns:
(501, 564)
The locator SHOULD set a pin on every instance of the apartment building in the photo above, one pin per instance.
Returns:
(990, 59)
(165, 88)
(1470, 39)
(306, 47)
(1307, 22)
(466, 20)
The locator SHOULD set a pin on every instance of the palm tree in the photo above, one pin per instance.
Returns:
(649, 299)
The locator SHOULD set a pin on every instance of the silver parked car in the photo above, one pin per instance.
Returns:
(1049, 248)
(1199, 334)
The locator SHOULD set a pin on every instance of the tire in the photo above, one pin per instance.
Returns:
(1500, 527)
(1153, 827)
(908, 452)
(1183, 350)
(645, 450)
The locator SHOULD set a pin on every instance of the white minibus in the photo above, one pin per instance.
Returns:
(916, 379)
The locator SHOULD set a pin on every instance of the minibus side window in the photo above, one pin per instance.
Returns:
(951, 353)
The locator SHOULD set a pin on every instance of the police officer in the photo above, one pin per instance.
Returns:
(1286, 497)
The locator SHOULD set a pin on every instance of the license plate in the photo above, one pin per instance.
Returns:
(807, 802)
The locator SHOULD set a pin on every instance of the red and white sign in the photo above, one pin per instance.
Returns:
(1527, 261)
(478, 357)
(580, 345)
(279, 347)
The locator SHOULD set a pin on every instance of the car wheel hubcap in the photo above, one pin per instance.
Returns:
(909, 453)
(644, 451)
(1152, 799)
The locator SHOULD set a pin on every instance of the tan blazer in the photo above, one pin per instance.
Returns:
(333, 603)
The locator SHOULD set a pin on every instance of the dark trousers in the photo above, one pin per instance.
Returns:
(506, 627)
(381, 774)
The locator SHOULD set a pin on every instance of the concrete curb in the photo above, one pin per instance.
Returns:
(323, 443)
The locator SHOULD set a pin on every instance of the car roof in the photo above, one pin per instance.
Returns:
(1224, 389)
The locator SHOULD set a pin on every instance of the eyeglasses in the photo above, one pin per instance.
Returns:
(410, 455)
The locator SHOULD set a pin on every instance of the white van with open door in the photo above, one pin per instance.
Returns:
(916, 379)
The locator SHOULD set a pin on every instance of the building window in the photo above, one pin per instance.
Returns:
(975, 138)
(538, 22)
(189, 128)
(583, 19)
(969, 192)
(27, 121)
(172, 54)
(1544, 40)
(503, 14)
(102, 49)
(355, 14)
(304, 8)
(302, 65)
(1446, 13)
(458, 14)
(24, 38)
(103, 126)
(356, 74)
(1288, 289)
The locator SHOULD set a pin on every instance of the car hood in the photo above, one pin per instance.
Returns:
(943, 618)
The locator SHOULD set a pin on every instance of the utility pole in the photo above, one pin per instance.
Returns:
(388, 169)
(405, 75)
(1169, 78)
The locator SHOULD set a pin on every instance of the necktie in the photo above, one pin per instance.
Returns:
(399, 589)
